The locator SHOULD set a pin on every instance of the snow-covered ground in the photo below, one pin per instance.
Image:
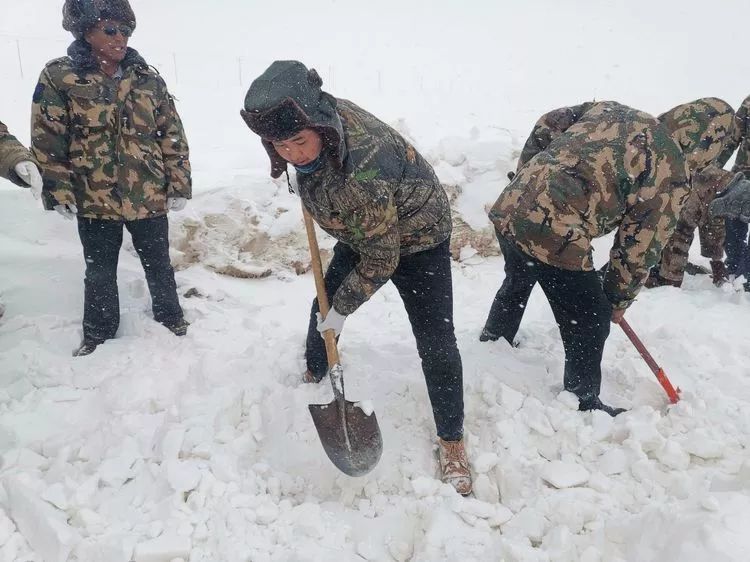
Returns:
(201, 448)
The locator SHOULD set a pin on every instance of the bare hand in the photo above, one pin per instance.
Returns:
(618, 314)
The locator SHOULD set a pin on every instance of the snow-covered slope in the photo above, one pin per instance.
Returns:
(156, 448)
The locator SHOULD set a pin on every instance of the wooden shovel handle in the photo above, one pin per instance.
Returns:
(329, 336)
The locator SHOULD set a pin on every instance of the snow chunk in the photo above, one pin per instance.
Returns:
(485, 462)
(163, 549)
(45, 528)
(366, 406)
(424, 487)
(614, 461)
(564, 475)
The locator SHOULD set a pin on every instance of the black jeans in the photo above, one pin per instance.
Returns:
(424, 282)
(736, 247)
(101, 240)
(581, 310)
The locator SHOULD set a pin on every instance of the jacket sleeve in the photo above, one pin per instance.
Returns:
(650, 219)
(50, 142)
(174, 146)
(375, 229)
(12, 152)
(550, 126)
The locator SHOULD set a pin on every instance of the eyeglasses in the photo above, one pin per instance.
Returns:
(112, 30)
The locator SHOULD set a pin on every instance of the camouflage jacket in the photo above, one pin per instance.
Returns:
(12, 152)
(585, 171)
(384, 203)
(115, 148)
(741, 140)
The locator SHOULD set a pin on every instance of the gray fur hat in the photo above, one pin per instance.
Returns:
(287, 98)
(81, 15)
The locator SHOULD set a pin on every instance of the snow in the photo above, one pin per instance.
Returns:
(201, 448)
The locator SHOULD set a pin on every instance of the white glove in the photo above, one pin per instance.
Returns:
(29, 173)
(68, 210)
(176, 203)
(334, 321)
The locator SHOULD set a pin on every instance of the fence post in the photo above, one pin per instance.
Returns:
(20, 63)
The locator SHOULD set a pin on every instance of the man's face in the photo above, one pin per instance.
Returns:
(109, 39)
(300, 149)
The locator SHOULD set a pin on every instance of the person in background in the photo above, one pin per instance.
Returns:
(113, 155)
(17, 165)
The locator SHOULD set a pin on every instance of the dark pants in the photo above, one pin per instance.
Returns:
(581, 310)
(736, 248)
(101, 240)
(424, 282)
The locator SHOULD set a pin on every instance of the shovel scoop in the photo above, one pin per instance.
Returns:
(349, 431)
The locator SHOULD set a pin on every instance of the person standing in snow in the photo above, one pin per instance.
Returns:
(585, 171)
(736, 244)
(371, 190)
(113, 154)
(705, 185)
(17, 165)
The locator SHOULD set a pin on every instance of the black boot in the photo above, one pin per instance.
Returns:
(178, 328)
(486, 335)
(595, 404)
(87, 347)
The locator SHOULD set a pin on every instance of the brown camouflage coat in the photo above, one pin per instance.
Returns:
(588, 170)
(115, 148)
(705, 185)
(741, 140)
(384, 203)
(12, 152)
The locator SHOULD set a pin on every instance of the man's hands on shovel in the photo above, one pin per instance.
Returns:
(333, 321)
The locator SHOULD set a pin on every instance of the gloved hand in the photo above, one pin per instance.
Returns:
(29, 174)
(68, 210)
(176, 203)
(334, 321)
(719, 272)
(734, 201)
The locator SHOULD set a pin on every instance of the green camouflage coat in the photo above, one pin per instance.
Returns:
(12, 152)
(385, 202)
(741, 140)
(705, 185)
(586, 171)
(114, 148)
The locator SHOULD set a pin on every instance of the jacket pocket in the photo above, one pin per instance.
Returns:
(92, 125)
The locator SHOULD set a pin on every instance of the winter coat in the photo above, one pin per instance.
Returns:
(741, 140)
(593, 168)
(384, 202)
(114, 148)
(12, 152)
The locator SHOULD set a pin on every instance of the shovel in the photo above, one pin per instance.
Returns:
(348, 431)
(661, 376)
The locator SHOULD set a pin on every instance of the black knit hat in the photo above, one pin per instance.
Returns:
(287, 98)
(81, 15)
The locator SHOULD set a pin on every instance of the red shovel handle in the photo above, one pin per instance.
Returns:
(658, 371)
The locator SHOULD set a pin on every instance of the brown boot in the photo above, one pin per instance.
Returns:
(454, 465)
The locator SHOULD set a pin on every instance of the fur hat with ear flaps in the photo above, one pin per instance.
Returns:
(81, 15)
(287, 98)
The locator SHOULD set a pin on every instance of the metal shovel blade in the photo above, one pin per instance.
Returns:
(350, 436)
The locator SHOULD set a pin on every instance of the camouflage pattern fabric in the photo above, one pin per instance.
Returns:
(384, 203)
(741, 140)
(12, 152)
(586, 171)
(706, 184)
(114, 148)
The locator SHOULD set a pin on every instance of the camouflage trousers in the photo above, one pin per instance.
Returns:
(674, 257)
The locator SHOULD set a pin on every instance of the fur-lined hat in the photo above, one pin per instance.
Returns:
(287, 98)
(81, 15)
